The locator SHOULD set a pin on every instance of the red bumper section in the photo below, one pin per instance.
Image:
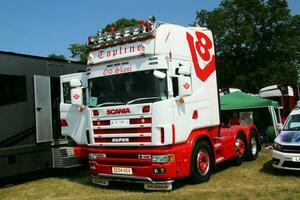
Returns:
(81, 151)
(137, 165)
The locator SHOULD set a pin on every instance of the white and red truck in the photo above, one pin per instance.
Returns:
(147, 107)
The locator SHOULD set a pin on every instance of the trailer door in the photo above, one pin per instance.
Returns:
(43, 110)
(74, 119)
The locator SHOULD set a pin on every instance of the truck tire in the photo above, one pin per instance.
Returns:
(240, 148)
(202, 162)
(253, 146)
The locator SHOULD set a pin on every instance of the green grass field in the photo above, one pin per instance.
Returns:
(251, 180)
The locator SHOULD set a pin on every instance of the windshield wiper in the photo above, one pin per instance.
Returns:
(142, 99)
(109, 103)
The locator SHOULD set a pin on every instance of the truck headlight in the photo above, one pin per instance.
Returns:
(92, 156)
(163, 158)
(277, 146)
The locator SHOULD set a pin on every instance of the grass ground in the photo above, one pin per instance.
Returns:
(251, 180)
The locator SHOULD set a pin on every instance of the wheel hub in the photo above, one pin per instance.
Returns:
(253, 146)
(203, 162)
(240, 147)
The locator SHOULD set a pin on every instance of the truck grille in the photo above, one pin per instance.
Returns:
(122, 130)
(123, 140)
(116, 157)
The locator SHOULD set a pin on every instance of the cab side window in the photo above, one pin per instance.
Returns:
(67, 92)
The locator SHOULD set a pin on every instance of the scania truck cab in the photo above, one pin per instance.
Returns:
(147, 107)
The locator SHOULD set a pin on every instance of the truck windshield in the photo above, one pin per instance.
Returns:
(131, 88)
(292, 123)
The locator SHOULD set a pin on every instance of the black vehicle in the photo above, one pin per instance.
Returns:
(30, 132)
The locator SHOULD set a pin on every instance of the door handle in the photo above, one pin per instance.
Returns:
(38, 108)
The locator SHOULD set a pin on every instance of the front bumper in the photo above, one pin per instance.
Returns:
(104, 179)
(141, 170)
(283, 160)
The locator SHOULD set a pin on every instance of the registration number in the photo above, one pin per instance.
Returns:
(122, 170)
(119, 122)
(296, 159)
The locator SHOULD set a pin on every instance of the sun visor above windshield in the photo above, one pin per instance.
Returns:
(121, 52)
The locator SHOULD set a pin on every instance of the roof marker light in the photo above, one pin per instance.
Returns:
(148, 26)
(142, 22)
(90, 40)
(112, 30)
(113, 36)
(152, 19)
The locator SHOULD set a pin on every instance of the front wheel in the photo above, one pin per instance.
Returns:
(253, 146)
(202, 161)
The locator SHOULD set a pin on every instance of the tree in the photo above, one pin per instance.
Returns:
(57, 57)
(81, 50)
(121, 23)
(257, 43)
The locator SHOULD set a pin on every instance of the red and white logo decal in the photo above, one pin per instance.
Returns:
(201, 48)
(76, 96)
(186, 85)
(117, 111)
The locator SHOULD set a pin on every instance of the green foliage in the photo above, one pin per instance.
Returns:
(121, 23)
(57, 57)
(81, 51)
(257, 43)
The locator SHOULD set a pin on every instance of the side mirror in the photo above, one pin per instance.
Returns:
(159, 74)
(279, 127)
(184, 86)
(75, 83)
(76, 96)
(184, 70)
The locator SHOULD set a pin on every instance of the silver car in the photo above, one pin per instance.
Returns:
(286, 147)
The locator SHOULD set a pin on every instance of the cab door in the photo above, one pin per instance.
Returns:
(73, 118)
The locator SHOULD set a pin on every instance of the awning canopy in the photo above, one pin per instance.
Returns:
(240, 100)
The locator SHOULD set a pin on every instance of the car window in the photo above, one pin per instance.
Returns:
(292, 123)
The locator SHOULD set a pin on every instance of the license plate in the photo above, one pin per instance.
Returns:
(122, 170)
(296, 159)
(158, 186)
(119, 122)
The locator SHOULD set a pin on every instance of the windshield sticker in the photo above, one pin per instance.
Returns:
(93, 101)
(291, 137)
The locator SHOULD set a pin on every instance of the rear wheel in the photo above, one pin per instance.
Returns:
(253, 146)
(201, 164)
(240, 148)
